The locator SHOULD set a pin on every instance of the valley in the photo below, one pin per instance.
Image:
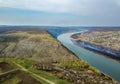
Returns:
(38, 56)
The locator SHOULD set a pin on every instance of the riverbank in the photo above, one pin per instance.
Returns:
(103, 42)
(105, 65)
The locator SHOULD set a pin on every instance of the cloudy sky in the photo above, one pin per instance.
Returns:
(60, 12)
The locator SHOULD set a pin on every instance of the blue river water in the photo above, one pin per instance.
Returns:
(105, 65)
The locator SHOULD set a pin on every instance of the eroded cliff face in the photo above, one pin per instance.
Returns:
(103, 42)
(108, 39)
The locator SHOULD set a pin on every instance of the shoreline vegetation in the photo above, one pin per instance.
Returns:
(38, 53)
(104, 42)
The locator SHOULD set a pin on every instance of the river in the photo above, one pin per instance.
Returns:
(105, 65)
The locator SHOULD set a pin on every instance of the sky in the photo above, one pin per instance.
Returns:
(60, 12)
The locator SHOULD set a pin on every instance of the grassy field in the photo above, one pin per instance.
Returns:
(27, 64)
(77, 65)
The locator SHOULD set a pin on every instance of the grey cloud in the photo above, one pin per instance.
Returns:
(89, 12)
(83, 7)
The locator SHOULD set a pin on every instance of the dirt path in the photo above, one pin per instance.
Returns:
(48, 81)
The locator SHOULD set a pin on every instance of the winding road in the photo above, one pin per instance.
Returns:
(105, 65)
